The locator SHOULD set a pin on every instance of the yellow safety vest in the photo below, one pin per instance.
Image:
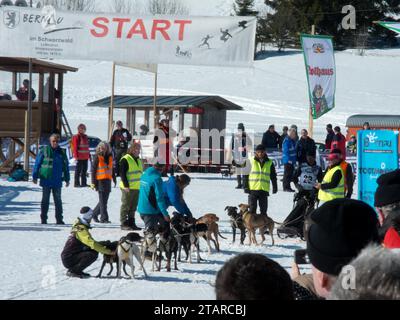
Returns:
(259, 178)
(134, 173)
(335, 193)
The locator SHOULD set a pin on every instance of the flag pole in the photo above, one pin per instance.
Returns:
(310, 117)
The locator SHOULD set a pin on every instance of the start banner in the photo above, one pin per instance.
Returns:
(47, 33)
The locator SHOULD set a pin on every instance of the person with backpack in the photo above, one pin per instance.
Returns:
(52, 168)
(80, 147)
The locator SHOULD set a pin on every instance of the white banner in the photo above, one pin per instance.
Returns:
(152, 68)
(47, 33)
(321, 73)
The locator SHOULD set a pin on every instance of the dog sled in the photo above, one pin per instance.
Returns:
(294, 225)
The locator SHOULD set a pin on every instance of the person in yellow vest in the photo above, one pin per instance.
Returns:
(102, 174)
(261, 175)
(332, 186)
(130, 171)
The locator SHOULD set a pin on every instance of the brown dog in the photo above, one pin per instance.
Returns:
(252, 222)
(210, 219)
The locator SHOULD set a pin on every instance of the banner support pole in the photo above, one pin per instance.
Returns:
(155, 101)
(111, 110)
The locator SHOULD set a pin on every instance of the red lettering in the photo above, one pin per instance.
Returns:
(161, 29)
(98, 24)
(138, 28)
(182, 24)
(121, 22)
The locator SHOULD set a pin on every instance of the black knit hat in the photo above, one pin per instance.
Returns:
(341, 229)
(260, 147)
(241, 126)
(388, 190)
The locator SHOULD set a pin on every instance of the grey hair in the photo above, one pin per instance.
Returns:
(55, 136)
(102, 144)
(376, 276)
(391, 208)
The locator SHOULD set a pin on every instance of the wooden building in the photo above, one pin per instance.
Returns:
(47, 108)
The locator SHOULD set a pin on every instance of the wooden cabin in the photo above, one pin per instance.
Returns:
(47, 107)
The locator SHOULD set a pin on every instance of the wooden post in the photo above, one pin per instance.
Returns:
(28, 121)
(133, 120)
(310, 117)
(111, 110)
(59, 111)
(155, 101)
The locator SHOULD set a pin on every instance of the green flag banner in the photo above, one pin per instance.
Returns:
(319, 60)
(394, 26)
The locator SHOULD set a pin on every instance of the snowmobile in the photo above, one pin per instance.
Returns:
(294, 225)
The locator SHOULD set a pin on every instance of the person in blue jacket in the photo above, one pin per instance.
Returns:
(289, 158)
(152, 206)
(173, 191)
(52, 168)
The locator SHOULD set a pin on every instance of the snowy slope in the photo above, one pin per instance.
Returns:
(274, 91)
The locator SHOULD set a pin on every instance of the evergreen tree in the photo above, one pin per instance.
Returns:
(292, 17)
(244, 8)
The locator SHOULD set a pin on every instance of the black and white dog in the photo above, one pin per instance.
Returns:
(127, 248)
(236, 223)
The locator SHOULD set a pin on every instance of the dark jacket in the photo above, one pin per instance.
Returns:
(101, 185)
(120, 139)
(23, 94)
(270, 140)
(81, 240)
(273, 176)
(304, 147)
(329, 139)
(282, 139)
(337, 176)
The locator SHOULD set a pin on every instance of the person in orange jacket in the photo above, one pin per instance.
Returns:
(102, 174)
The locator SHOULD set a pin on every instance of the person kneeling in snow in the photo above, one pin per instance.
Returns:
(81, 250)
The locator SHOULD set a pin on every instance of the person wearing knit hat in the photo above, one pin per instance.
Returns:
(387, 201)
(240, 145)
(340, 229)
(332, 186)
(261, 176)
(81, 250)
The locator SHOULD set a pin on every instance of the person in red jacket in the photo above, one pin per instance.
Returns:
(339, 142)
(80, 147)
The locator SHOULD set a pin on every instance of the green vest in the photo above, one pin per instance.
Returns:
(46, 169)
(259, 178)
(335, 193)
(134, 173)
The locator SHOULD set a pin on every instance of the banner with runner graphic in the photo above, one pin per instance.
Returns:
(321, 73)
(48, 33)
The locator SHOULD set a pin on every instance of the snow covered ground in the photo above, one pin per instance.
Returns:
(30, 259)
